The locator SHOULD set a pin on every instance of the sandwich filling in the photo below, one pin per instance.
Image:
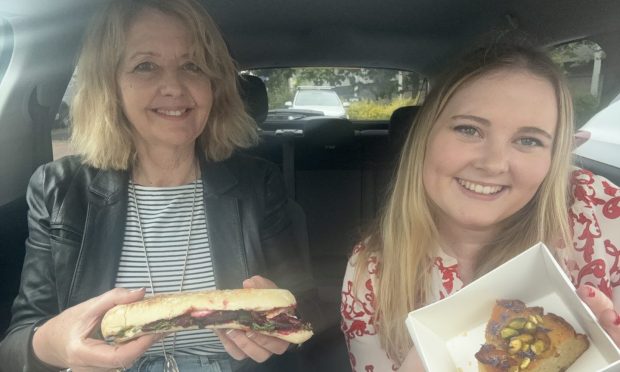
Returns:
(281, 320)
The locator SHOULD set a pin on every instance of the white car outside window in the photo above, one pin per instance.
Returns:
(323, 100)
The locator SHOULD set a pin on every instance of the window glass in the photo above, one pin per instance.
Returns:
(61, 145)
(6, 45)
(583, 62)
(355, 93)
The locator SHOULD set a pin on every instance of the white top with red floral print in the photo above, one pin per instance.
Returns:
(595, 222)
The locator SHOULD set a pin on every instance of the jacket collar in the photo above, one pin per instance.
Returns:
(104, 230)
(216, 176)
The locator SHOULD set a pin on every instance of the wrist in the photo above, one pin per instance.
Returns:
(40, 348)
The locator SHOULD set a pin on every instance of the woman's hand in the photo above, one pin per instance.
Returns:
(248, 344)
(604, 310)
(66, 339)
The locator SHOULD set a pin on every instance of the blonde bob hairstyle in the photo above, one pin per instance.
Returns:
(102, 134)
(405, 239)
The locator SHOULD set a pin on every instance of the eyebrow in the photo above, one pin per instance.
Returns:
(151, 54)
(487, 123)
(140, 54)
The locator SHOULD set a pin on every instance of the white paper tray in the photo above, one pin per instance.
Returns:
(449, 332)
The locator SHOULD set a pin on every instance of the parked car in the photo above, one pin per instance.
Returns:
(323, 100)
(335, 168)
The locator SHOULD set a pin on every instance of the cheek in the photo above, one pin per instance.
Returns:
(444, 157)
(533, 172)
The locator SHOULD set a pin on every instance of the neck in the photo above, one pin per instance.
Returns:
(165, 169)
(465, 245)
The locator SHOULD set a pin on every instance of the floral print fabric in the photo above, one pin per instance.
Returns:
(594, 219)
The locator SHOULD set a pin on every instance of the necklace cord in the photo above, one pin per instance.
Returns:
(146, 257)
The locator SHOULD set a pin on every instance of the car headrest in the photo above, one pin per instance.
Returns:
(400, 122)
(327, 131)
(254, 95)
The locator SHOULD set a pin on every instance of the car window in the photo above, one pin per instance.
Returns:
(583, 62)
(61, 127)
(357, 93)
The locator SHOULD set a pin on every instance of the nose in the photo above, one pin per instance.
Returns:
(493, 158)
(171, 84)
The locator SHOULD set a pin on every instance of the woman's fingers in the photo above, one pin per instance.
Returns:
(66, 340)
(603, 309)
(596, 300)
(269, 343)
(231, 348)
(243, 346)
(124, 355)
(610, 321)
(258, 281)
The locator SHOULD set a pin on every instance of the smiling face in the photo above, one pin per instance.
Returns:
(490, 149)
(165, 95)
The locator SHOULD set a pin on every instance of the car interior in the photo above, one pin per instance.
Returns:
(337, 170)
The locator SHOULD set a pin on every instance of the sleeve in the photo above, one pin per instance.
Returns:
(284, 244)
(36, 301)
(595, 221)
(358, 324)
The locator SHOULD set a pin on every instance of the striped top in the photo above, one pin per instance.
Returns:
(165, 214)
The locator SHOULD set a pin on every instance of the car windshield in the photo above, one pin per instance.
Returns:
(316, 98)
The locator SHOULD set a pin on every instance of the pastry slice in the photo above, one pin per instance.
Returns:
(521, 338)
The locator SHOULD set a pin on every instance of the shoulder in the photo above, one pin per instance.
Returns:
(60, 173)
(360, 277)
(66, 178)
(589, 190)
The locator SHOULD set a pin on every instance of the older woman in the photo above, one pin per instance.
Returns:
(485, 173)
(157, 200)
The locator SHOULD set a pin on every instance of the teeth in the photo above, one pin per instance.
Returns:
(477, 188)
(171, 112)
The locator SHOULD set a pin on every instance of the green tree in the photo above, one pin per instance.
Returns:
(277, 84)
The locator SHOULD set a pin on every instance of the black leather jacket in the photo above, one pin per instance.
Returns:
(77, 220)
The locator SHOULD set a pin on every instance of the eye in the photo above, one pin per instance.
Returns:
(530, 142)
(467, 130)
(192, 67)
(145, 67)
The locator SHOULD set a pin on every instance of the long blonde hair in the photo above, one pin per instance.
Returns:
(101, 132)
(405, 237)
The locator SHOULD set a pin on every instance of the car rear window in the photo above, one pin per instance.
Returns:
(363, 93)
(584, 64)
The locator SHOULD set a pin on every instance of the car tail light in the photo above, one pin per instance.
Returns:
(581, 137)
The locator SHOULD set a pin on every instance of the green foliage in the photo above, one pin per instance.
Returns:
(322, 76)
(380, 84)
(376, 110)
(586, 105)
(277, 84)
(575, 53)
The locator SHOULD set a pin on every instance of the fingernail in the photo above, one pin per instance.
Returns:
(229, 331)
(617, 321)
(591, 292)
(137, 289)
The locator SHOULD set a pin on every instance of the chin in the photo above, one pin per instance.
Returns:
(478, 223)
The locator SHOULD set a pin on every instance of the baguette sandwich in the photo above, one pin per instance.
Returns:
(266, 311)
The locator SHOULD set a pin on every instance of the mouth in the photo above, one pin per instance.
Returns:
(480, 188)
(172, 113)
